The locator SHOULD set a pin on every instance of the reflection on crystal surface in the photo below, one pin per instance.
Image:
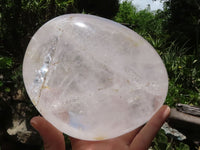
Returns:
(80, 24)
(92, 78)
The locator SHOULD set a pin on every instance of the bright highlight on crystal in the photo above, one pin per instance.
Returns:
(92, 78)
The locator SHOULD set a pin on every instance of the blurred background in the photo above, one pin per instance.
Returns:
(172, 27)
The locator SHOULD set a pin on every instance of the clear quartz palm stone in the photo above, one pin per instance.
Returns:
(92, 78)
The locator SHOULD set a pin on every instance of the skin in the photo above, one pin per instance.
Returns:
(139, 139)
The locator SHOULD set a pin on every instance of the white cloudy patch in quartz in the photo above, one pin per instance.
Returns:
(92, 78)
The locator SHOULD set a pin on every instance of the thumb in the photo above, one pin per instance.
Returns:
(53, 139)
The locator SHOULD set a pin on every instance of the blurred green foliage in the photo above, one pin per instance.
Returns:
(183, 23)
(5, 62)
(126, 13)
(162, 142)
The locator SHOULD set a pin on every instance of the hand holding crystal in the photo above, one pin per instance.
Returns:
(92, 78)
(139, 139)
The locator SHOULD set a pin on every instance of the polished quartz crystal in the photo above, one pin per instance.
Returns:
(92, 78)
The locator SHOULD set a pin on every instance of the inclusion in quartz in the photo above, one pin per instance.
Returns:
(92, 78)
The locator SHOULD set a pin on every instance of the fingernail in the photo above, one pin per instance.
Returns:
(33, 122)
(166, 111)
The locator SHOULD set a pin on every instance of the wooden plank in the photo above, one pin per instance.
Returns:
(187, 124)
(192, 110)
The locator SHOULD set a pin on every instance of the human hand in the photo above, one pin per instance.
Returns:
(139, 139)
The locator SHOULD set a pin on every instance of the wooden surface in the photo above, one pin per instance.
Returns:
(185, 123)
(192, 110)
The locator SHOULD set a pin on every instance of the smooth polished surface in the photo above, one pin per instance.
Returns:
(92, 78)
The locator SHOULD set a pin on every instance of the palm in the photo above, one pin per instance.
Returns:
(119, 143)
(139, 139)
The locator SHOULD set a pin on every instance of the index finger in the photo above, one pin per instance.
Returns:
(144, 138)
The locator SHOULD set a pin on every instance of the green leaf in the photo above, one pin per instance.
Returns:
(5, 62)
(183, 146)
(7, 90)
